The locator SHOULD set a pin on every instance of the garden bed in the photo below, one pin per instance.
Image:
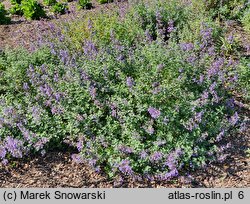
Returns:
(211, 125)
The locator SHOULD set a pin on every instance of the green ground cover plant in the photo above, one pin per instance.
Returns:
(32, 9)
(4, 19)
(16, 7)
(246, 20)
(49, 2)
(60, 8)
(86, 4)
(104, 1)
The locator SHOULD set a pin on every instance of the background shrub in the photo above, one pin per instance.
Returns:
(246, 20)
(32, 9)
(16, 7)
(60, 8)
(86, 4)
(244, 74)
(4, 19)
(128, 27)
(49, 2)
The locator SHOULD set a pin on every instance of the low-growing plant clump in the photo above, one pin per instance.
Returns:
(104, 1)
(60, 8)
(16, 7)
(49, 2)
(86, 4)
(30, 9)
(246, 20)
(4, 19)
(226, 9)
(142, 100)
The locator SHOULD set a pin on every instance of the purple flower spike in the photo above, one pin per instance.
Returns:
(220, 136)
(14, 146)
(125, 168)
(154, 113)
(187, 46)
(156, 156)
(130, 82)
(79, 145)
(92, 91)
(25, 86)
(125, 149)
(234, 119)
(143, 155)
(170, 26)
(2, 152)
(171, 174)
(77, 158)
(148, 36)
(150, 130)
(230, 39)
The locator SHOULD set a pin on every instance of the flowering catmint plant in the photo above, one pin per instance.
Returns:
(154, 113)
(125, 167)
(151, 105)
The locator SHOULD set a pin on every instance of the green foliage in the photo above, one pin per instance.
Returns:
(16, 7)
(60, 8)
(4, 19)
(226, 9)
(245, 20)
(128, 27)
(49, 2)
(14, 73)
(244, 76)
(104, 1)
(86, 4)
(103, 25)
(15, 1)
(248, 152)
(32, 9)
